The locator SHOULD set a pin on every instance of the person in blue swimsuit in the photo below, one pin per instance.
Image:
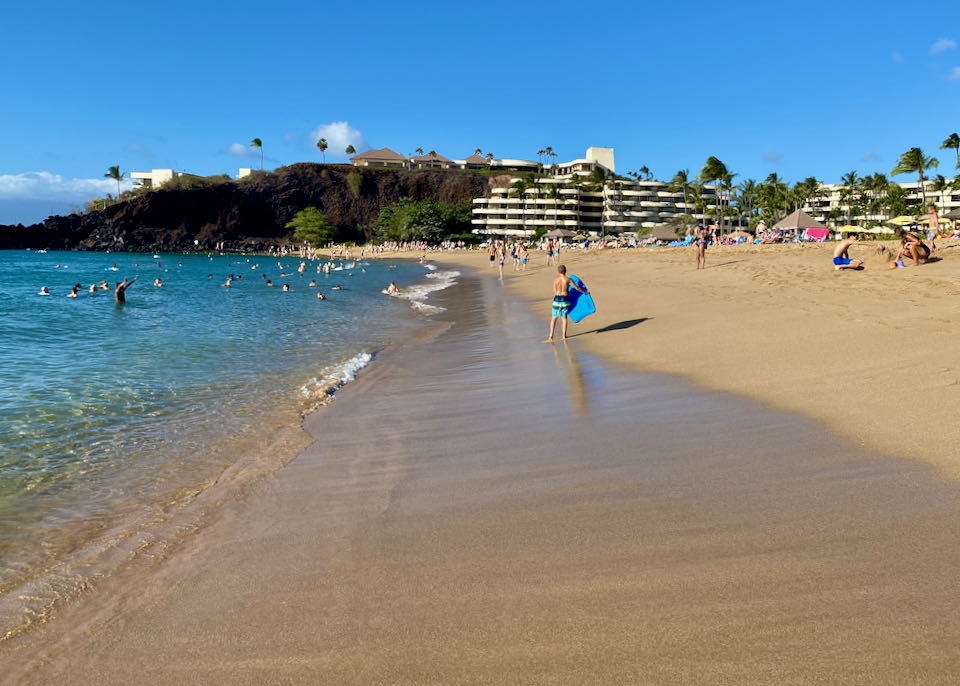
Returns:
(561, 301)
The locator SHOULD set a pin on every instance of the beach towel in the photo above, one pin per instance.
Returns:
(817, 234)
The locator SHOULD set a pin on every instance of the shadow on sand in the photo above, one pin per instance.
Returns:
(626, 324)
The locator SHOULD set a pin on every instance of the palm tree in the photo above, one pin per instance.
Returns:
(913, 160)
(540, 153)
(645, 170)
(952, 142)
(851, 186)
(257, 143)
(553, 193)
(478, 151)
(715, 170)
(748, 197)
(519, 190)
(114, 173)
(419, 151)
(489, 157)
(548, 151)
(939, 185)
(322, 147)
(350, 150)
(681, 182)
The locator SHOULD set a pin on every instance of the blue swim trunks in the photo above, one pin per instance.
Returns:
(561, 305)
(841, 261)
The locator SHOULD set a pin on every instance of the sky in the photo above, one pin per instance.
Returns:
(804, 89)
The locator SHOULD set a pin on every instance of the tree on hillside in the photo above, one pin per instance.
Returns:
(114, 173)
(257, 143)
(322, 147)
(913, 160)
(952, 143)
(311, 225)
(422, 220)
(351, 150)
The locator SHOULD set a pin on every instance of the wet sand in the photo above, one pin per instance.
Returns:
(486, 508)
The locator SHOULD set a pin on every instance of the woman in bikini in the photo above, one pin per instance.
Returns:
(912, 246)
(703, 240)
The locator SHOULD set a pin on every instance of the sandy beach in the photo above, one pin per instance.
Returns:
(868, 353)
(481, 507)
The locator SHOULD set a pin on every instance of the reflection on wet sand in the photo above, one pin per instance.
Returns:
(566, 360)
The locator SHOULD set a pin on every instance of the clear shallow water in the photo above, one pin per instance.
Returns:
(111, 413)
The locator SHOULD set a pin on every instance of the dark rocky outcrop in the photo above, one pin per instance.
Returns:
(247, 214)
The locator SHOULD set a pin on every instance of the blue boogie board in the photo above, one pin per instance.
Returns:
(581, 304)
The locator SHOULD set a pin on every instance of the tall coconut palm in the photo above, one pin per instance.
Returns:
(681, 183)
(913, 160)
(952, 143)
(714, 170)
(114, 173)
(489, 157)
(419, 151)
(478, 151)
(257, 143)
(554, 194)
(540, 153)
(322, 147)
(350, 150)
(519, 190)
(748, 198)
(550, 154)
(645, 170)
(939, 185)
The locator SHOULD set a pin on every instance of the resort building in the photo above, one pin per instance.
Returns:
(832, 205)
(384, 157)
(153, 178)
(583, 195)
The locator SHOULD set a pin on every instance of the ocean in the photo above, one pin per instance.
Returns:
(114, 417)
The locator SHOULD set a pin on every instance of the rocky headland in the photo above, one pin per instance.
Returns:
(247, 214)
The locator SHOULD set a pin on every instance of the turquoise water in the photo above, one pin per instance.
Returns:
(111, 415)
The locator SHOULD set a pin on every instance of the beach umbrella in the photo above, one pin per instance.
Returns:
(664, 232)
(902, 220)
(850, 228)
(740, 234)
(798, 220)
(559, 233)
(953, 214)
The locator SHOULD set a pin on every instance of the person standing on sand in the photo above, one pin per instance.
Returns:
(841, 260)
(912, 246)
(118, 293)
(524, 254)
(934, 229)
(561, 300)
(703, 240)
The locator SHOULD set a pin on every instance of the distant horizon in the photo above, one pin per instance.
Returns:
(189, 89)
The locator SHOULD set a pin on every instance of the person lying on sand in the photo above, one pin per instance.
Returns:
(841, 259)
(912, 246)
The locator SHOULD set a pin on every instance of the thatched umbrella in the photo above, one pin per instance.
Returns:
(798, 220)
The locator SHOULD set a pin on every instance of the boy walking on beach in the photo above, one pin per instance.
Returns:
(561, 300)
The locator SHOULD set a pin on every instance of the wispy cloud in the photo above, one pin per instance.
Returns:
(942, 45)
(43, 185)
(870, 156)
(772, 158)
(955, 74)
(137, 148)
(339, 135)
(241, 150)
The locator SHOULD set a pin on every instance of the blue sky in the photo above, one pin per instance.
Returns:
(799, 89)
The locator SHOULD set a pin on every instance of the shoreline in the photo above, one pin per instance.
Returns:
(866, 353)
(443, 528)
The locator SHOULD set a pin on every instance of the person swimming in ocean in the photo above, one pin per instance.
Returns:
(121, 289)
(321, 296)
(286, 287)
(74, 291)
(44, 291)
(392, 288)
